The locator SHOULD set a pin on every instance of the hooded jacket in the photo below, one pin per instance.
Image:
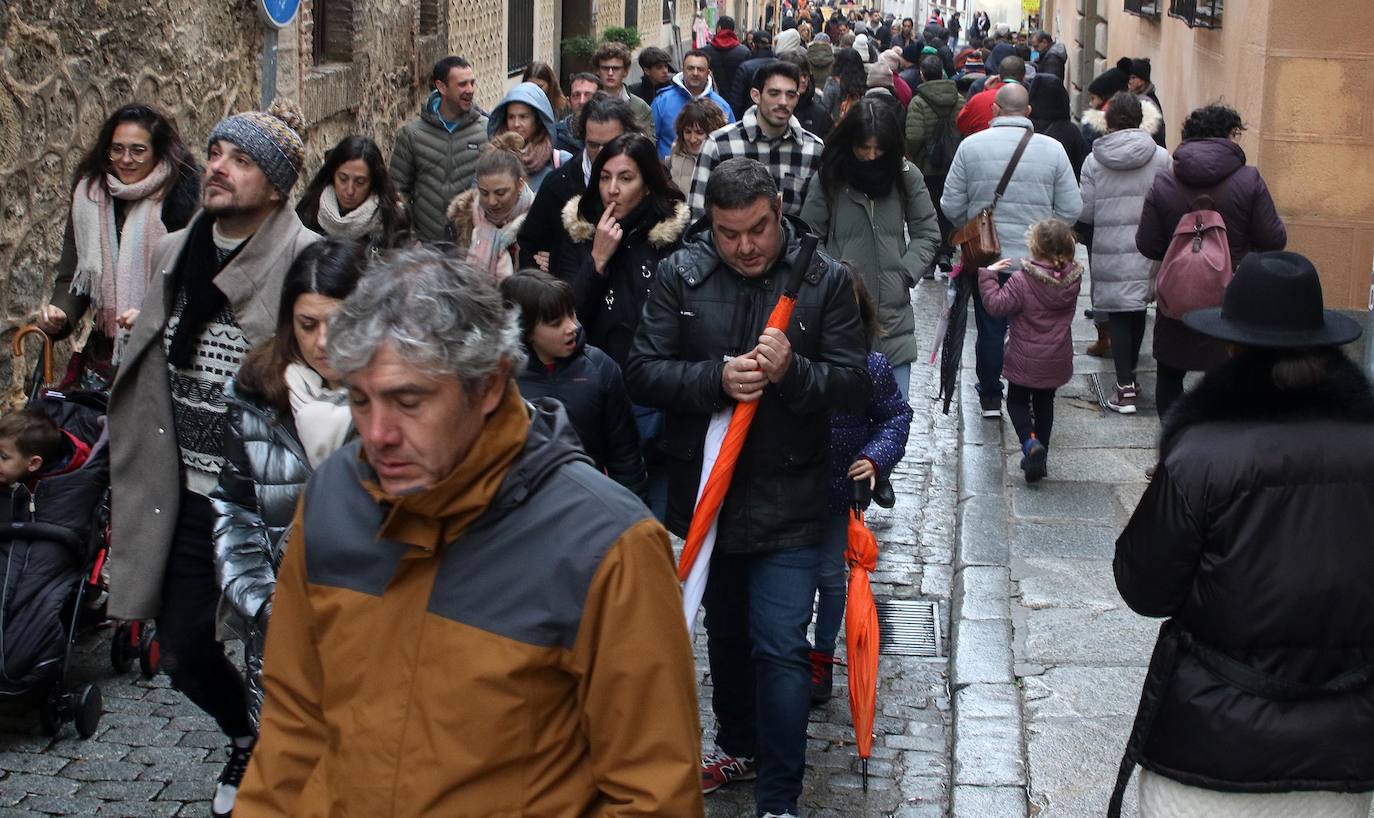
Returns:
(669, 103)
(934, 100)
(609, 304)
(431, 164)
(743, 81)
(1216, 167)
(1253, 537)
(1049, 102)
(1054, 62)
(725, 53)
(1116, 178)
(509, 644)
(821, 58)
(533, 96)
(1093, 123)
(589, 386)
(812, 114)
(1040, 302)
(886, 242)
(702, 310)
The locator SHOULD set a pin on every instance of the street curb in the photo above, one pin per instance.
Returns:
(989, 758)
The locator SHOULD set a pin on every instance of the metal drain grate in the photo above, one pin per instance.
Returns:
(908, 627)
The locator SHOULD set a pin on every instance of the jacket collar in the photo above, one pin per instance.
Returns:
(698, 259)
(1242, 389)
(255, 273)
(1011, 122)
(663, 234)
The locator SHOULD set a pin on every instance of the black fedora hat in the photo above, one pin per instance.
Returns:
(1275, 301)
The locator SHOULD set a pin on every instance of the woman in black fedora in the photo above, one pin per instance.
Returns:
(1256, 540)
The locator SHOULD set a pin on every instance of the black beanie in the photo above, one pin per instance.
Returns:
(1141, 68)
(1109, 82)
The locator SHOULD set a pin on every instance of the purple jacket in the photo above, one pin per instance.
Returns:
(879, 433)
(1252, 223)
(1040, 302)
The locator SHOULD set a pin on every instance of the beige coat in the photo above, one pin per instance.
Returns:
(145, 463)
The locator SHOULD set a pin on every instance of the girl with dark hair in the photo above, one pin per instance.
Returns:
(696, 119)
(630, 218)
(848, 82)
(542, 74)
(487, 218)
(864, 448)
(136, 184)
(865, 196)
(352, 196)
(286, 412)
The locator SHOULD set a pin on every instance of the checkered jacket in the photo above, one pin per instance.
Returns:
(793, 157)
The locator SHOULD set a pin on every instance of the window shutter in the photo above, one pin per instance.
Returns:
(333, 31)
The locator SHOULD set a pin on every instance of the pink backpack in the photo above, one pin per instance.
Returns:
(1197, 266)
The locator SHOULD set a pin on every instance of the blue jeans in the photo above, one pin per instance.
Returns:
(831, 584)
(903, 375)
(649, 422)
(757, 610)
(989, 348)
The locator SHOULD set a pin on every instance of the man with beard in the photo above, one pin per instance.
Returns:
(213, 298)
(769, 133)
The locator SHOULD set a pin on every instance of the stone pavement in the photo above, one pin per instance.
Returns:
(157, 755)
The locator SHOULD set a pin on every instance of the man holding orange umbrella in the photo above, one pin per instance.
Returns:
(702, 348)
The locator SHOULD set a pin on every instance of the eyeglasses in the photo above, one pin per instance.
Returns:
(138, 154)
(612, 68)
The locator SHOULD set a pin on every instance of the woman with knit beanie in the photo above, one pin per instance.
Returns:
(486, 219)
(352, 196)
(137, 183)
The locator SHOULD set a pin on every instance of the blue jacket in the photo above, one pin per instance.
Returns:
(669, 103)
(879, 433)
(533, 96)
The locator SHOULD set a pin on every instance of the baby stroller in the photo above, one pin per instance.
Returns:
(51, 550)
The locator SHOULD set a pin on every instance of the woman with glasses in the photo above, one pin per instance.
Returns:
(136, 184)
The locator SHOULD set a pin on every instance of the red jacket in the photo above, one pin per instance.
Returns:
(976, 115)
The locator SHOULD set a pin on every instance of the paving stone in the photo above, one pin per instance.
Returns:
(123, 790)
(982, 652)
(987, 752)
(36, 784)
(983, 531)
(987, 802)
(1047, 582)
(1074, 763)
(981, 592)
(1072, 540)
(988, 701)
(1063, 636)
(140, 809)
(101, 771)
(14, 762)
(1090, 465)
(1055, 500)
(980, 471)
(1083, 692)
(61, 805)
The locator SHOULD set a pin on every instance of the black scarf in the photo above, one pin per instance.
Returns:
(873, 178)
(195, 273)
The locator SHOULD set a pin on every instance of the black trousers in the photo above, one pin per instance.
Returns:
(1128, 333)
(191, 656)
(1031, 412)
(1169, 387)
(936, 187)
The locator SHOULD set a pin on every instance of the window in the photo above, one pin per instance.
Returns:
(519, 35)
(1197, 13)
(333, 33)
(429, 17)
(1143, 8)
(631, 13)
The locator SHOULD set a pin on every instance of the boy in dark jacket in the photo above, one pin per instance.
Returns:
(584, 379)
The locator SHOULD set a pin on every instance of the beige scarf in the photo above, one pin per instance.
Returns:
(114, 267)
(323, 419)
(356, 224)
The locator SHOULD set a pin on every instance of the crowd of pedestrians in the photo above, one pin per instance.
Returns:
(433, 420)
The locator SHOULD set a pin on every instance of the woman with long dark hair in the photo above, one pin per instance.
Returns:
(866, 195)
(630, 219)
(286, 412)
(136, 184)
(352, 196)
(848, 82)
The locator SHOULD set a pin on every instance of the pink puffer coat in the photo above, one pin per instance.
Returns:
(1040, 302)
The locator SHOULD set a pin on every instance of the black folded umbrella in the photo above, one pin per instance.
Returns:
(952, 349)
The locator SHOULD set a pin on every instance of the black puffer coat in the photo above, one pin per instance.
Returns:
(1255, 537)
(702, 311)
(589, 385)
(609, 305)
(542, 230)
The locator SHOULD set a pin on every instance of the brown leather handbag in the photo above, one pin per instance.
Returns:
(977, 240)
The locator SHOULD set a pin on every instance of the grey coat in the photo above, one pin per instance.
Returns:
(1116, 178)
(430, 165)
(145, 463)
(868, 235)
(1042, 187)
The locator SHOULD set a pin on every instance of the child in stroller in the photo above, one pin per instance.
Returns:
(54, 466)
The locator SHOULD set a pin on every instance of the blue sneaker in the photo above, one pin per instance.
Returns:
(1033, 460)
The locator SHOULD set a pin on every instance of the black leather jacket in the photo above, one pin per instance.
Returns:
(701, 311)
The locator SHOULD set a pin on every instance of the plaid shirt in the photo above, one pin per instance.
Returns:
(793, 157)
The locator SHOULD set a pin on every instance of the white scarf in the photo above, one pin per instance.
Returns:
(323, 419)
(356, 224)
(115, 272)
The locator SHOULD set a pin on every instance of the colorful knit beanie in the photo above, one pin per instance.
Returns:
(271, 139)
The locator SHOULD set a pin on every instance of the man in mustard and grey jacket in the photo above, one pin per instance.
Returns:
(470, 619)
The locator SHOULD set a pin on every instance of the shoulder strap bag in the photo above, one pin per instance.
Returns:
(977, 240)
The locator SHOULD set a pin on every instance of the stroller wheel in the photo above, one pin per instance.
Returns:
(50, 713)
(87, 709)
(122, 648)
(149, 652)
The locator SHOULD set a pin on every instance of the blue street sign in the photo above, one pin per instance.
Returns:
(279, 13)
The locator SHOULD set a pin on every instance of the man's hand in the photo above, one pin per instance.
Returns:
(742, 380)
(774, 354)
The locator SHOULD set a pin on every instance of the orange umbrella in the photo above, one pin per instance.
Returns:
(723, 469)
(861, 634)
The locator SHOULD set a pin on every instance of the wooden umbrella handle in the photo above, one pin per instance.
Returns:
(24, 332)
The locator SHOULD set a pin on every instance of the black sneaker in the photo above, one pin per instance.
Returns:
(227, 787)
(822, 677)
(991, 405)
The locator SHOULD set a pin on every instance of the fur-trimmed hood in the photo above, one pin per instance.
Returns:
(460, 216)
(1242, 389)
(1151, 120)
(664, 234)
